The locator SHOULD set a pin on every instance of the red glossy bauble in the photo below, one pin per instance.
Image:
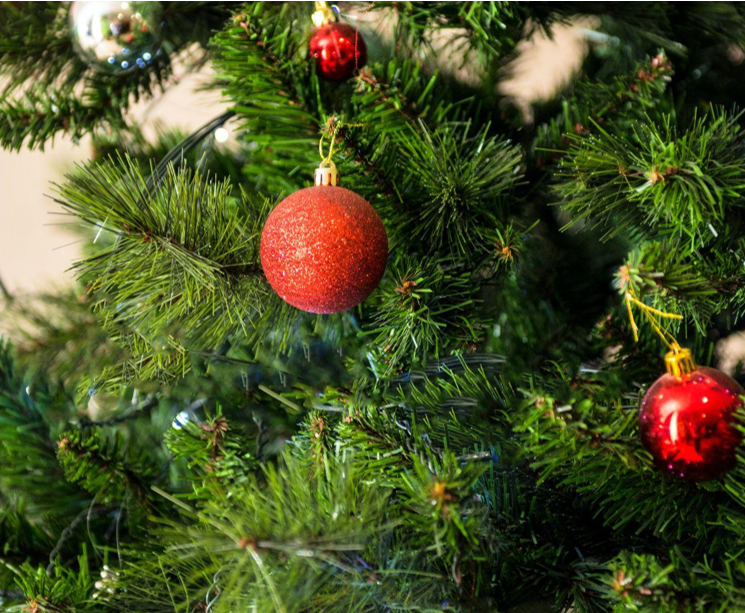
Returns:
(687, 423)
(324, 249)
(339, 51)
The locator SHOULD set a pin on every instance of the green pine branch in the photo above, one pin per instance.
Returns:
(28, 414)
(113, 471)
(426, 310)
(491, 29)
(294, 541)
(62, 589)
(621, 101)
(183, 268)
(683, 183)
(261, 68)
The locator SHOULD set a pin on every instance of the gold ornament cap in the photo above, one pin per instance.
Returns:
(323, 15)
(326, 174)
(679, 362)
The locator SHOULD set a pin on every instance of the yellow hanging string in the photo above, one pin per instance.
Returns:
(326, 173)
(652, 315)
(327, 159)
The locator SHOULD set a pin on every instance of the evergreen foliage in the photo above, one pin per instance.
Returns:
(175, 438)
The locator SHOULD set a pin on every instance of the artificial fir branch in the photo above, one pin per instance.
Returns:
(623, 100)
(216, 455)
(414, 312)
(64, 589)
(439, 500)
(463, 180)
(325, 563)
(27, 445)
(275, 100)
(475, 448)
(102, 465)
(190, 235)
(489, 28)
(58, 337)
(653, 175)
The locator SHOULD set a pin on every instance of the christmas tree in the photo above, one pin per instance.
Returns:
(426, 382)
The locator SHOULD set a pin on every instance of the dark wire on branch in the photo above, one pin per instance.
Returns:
(177, 153)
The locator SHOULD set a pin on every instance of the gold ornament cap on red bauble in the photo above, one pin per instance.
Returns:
(324, 248)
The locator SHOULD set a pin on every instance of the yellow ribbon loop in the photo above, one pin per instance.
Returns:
(337, 123)
(652, 315)
(327, 159)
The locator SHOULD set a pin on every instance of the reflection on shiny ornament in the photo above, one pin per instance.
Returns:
(339, 51)
(116, 36)
(181, 420)
(101, 405)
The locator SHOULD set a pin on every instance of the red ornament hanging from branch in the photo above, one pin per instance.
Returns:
(324, 248)
(688, 417)
(337, 48)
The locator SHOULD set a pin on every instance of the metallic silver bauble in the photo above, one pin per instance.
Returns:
(101, 405)
(116, 36)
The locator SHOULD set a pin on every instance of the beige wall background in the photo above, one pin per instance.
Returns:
(36, 250)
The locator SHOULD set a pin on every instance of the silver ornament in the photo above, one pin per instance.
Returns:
(101, 406)
(116, 36)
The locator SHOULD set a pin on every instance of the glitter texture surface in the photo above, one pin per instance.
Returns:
(324, 249)
(687, 423)
(339, 50)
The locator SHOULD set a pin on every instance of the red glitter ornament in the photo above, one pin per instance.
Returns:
(339, 51)
(687, 419)
(324, 248)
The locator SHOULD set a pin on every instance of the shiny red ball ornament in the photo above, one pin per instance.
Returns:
(687, 419)
(324, 248)
(339, 51)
